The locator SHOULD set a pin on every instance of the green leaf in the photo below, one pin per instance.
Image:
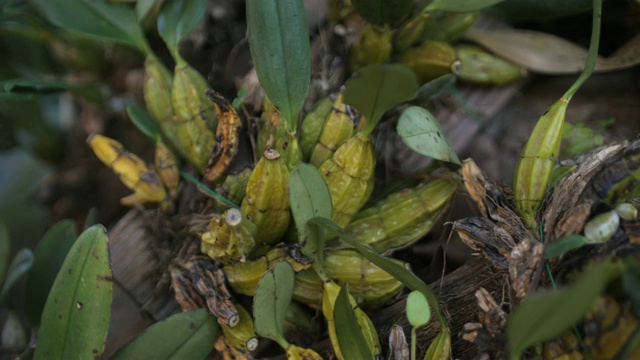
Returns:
(186, 335)
(143, 7)
(383, 12)
(5, 251)
(631, 280)
(96, 18)
(561, 246)
(405, 276)
(542, 316)
(280, 50)
(421, 132)
(378, 88)
(144, 122)
(309, 197)
(461, 5)
(47, 261)
(75, 318)
(25, 88)
(351, 340)
(177, 18)
(434, 88)
(19, 265)
(418, 312)
(271, 301)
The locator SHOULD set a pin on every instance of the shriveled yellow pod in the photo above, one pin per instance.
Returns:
(132, 171)
(330, 291)
(374, 46)
(403, 217)
(157, 92)
(234, 187)
(338, 127)
(312, 124)
(299, 353)
(243, 277)
(243, 335)
(273, 128)
(410, 32)
(430, 60)
(229, 237)
(165, 164)
(535, 166)
(349, 175)
(368, 284)
(194, 118)
(482, 68)
(266, 203)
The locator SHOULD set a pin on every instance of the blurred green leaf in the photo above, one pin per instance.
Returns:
(5, 251)
(563, 245)
(418, 312)
(75, 318)
(378, 88)
(631, 280)
(434, 88)
(143, 7)
(144, 122)
(461, 5)
(351, 340)
(540, 9)
(25, 89)
(383, 12)
(421, 132)
(177, 18)
(96, 18)
(405, 276)
(280, 50)
(309, 197)
(47, 261)
(19, 266)
(542, 316)
(271, 301)
(186, 335)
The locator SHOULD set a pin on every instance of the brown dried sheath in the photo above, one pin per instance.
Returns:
(227, 136)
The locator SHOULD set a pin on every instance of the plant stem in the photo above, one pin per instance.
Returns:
(593, 51)
(413, 343)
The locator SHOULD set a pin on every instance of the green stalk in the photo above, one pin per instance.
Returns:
(592, 58)
(413, 343)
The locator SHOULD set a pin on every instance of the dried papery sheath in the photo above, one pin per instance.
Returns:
(227, 136)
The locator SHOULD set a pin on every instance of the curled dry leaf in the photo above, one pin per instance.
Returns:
(549, 54)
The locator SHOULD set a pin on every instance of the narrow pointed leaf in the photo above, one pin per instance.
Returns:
(96, 18)
(561, 246)
(19, 266)
(461, 5)
(399, 272)
(47, 261)
(5, 252)
(383, 12)
(309, 197)
(187, 335)
(271, 301)
(351, 340)
(178, 18)
(545, 315)
(144, 122)
(418, 312)
(378, 88)
(280, 50)
(75, 318)
(421, 132)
